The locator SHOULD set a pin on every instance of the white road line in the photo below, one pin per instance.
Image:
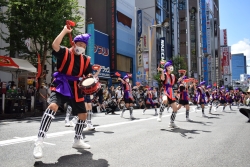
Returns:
(49, 143)
(17, 140)
(43, 142)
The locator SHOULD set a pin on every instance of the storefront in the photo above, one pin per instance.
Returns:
(102, 57)
(22, 72)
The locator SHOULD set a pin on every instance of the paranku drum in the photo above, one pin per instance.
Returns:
(89, 86)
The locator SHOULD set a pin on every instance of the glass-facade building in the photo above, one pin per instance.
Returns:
(239, 66)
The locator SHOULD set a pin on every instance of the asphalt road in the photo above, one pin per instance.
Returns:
(222, 139)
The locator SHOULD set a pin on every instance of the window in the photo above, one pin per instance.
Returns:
(124, 63)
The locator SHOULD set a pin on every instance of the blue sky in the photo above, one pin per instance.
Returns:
(235, 17)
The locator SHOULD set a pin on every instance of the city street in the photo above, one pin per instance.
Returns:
(222, 139)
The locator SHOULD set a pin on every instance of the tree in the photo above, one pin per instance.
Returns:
(39, 20)
(178, 64)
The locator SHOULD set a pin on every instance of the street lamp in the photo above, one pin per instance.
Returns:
(165, 24)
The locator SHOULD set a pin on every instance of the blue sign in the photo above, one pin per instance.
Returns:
(205, 60)
(101, 52)
(139, 24)
(91, 42)
(204, 26)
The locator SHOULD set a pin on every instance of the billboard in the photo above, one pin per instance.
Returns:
(139, 24)
(163, 45)
(208, 26)
(204, 27)
(112, 32)
(223, 37)
(101, 52)
(225, 60)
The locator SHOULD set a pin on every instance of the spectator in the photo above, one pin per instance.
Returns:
(43, 95)
(112, 92)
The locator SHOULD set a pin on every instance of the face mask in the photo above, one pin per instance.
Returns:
(171, 69)
(127, 80)
(79, 50)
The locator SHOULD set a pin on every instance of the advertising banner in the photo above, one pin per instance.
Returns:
(162, 41)
(223, 37)
(225, 60)
(204, 27)
(139, 24)
(139, 53)
(91, 42)
(101, 51)
(208, 25)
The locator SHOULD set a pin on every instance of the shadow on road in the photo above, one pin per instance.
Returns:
(185, 132)
(230, 112)
(91, 133)
(75, 160)
(198, 122)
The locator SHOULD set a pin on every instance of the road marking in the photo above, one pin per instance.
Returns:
(49, 143)
(43, 142)
(18, 140)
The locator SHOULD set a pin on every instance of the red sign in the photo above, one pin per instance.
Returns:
(7, 61)
(113, 36)
(225, 37)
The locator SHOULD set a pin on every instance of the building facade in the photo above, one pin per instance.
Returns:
(239, 66)
(155, 40)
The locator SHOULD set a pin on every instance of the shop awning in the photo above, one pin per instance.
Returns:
(9, 64)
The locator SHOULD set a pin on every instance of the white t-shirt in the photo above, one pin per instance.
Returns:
(119, 93)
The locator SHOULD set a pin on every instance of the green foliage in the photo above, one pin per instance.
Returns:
(39, 20)
(179, 64)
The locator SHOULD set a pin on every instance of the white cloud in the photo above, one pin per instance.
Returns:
(242, 47)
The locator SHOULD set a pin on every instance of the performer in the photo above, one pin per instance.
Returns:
(128, 97)
(229, 98)
(88, 104)
(184, 100)
(168, 80)
(209, 98)
(201, 97)
(246, 111)
(237, 97)
(149, 101)
(222, 98)
(71, 65)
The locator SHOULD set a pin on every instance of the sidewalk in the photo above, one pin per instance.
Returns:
(24, 115)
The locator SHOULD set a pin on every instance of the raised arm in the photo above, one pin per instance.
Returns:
(123, 82)
(97, 72)
(56, 43)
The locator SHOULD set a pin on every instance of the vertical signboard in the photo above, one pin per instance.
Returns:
(208, 30)
(204, 28)
(112, 33)
(139, 24)
(91, 42)
(162, 42)
(139, 53)
(101, 52)
(225, 60)
(223, 37)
